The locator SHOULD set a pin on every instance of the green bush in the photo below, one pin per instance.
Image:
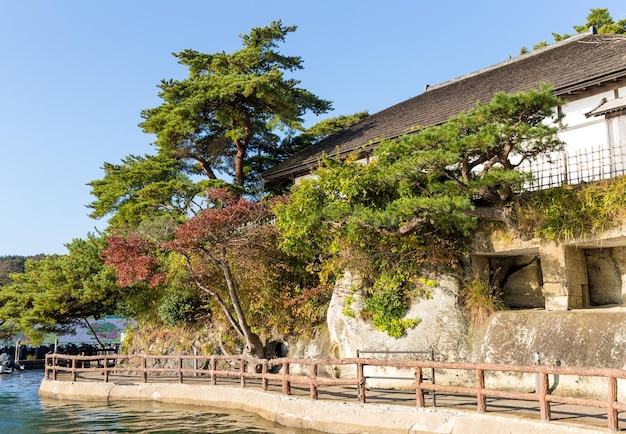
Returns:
(178, 308)
(348, 310)
(569, 212)
(481, 297)
(387, 304)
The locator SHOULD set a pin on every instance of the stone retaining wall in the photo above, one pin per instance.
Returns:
(325, 416)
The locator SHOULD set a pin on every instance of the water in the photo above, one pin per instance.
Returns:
(23, 411)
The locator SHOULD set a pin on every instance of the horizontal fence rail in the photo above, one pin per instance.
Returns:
(415, 353)
(245, 369)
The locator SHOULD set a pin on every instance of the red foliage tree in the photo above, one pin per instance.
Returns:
(134, 260)
(232, 255)
(209, 239)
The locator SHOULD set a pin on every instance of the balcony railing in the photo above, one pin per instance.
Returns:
(577, 167)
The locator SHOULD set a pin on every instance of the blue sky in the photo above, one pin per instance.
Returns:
(76, 74)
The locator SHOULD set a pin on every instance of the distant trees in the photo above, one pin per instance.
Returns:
(13, 264)
(58, 292)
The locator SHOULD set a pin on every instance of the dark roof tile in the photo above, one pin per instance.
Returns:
(569, 66)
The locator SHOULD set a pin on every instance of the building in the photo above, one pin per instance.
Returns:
(588, 72)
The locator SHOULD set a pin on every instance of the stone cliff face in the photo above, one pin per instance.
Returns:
(443, 327)
(566, 301)
(579, 338)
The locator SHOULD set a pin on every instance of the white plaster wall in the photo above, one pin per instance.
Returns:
(575, 111)
(581, 132)
(299, 179)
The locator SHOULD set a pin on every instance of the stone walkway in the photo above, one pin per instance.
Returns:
(561, 414)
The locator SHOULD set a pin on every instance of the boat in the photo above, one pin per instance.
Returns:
(8, 365)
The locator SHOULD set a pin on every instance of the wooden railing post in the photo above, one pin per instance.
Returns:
(212, 366)
(46, 371)
(313, 387)
(242, 371)
(432, 379)
(74, 369)
(264, 381)
(481, 398)
(360, 375)
(544, 404)
(144, 371)
(286, 384)
(612, 420)
(419, 392)
(106, 369)
(180, 369)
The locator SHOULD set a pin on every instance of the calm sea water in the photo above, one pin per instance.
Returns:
(23, 411)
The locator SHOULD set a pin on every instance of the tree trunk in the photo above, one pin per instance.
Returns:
(239, 176)
(206, 168)
(502, 214)
(217, 298)
(94, 332)
(254, 346)
(242, 149)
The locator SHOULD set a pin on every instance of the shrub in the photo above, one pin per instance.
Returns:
(481, 297)
(178, 308)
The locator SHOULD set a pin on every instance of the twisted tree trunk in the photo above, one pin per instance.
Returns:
(254, 346)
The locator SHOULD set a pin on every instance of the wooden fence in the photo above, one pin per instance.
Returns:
(278, 370)
(575, 167)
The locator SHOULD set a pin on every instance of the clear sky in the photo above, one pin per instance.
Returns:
(75, 75)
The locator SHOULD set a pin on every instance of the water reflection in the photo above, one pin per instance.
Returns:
(23, 411)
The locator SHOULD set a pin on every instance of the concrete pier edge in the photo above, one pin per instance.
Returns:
(326, 416)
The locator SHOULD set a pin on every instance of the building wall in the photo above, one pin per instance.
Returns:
(576, 277)
(580, 133)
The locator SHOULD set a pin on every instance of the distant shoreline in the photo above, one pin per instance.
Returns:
(321, 415)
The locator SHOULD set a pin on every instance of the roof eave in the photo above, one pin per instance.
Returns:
(308, 166)
(586, 85)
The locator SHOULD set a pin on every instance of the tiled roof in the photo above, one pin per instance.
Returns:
(606, 106)
(571, 66)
